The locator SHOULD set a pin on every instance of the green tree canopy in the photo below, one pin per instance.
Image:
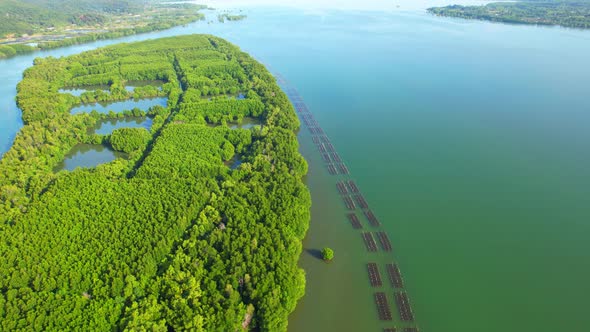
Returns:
(327, 254)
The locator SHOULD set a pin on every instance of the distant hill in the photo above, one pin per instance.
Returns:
(30, 16)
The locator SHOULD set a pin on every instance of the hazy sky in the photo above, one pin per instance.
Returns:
(385, 5)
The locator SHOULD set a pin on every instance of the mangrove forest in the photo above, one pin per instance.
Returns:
(170, 237)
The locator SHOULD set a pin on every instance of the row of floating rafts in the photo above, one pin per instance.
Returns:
(328, 153)
(352, 197)
(371, 244)
(374, 275)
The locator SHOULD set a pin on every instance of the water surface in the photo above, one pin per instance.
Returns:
(131, 85)
(105, 127)
(247, 123)
(469, 140)
(88, 155)
(120, 106)
(78, 91)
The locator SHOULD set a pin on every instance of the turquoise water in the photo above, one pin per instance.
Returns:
(120, 106)
(470, 141)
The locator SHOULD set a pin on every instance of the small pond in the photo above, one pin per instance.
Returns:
(131, 85)
(105, 127)
(88, 155)
(234, 162)
(119, 106)
(78, 91)
(247, 123)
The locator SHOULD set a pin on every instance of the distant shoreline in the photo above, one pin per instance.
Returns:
(47, 34)
(563, 13)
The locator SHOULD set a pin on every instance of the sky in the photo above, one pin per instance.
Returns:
(375, 5)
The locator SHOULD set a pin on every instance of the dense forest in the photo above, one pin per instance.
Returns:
(56, 23)
(171, 238)
(573, 14)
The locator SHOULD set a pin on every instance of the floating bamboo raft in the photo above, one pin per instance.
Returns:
(372, 219)
(335, 157)
(403, 305)
(384, 240)
(361, 200)
(374, 276)
(342, 188)
(329, 146)
(315, 130)
(343, 169)
(354, 220)
(382, 306)
(332, 169)
(369, 242)
(349, 203)
(395, 277)
(326, 158)
(353, 187)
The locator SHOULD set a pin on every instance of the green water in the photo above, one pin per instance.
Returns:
(131, 85)
(87, 156)
(106, 127)
(470, 142)
(246, 123)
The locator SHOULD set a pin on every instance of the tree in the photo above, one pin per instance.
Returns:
(327, 254)
(129, 139)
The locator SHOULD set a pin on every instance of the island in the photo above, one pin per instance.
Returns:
(327, 254)
(31, 25)
(230, 17)
(197, 225)
(571, 14)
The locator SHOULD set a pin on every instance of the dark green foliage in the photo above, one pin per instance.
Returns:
(129, 139)
(327, 254)
(171, 239)
(573, 14)
(118, 18)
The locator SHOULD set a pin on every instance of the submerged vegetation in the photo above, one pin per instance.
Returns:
(51, 24)
(170, 238)
(573, 14)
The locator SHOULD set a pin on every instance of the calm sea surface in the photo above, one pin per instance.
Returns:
(470, 141)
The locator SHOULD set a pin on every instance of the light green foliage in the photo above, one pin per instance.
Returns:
(129, 139)
(171, 239)
(327, 254)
